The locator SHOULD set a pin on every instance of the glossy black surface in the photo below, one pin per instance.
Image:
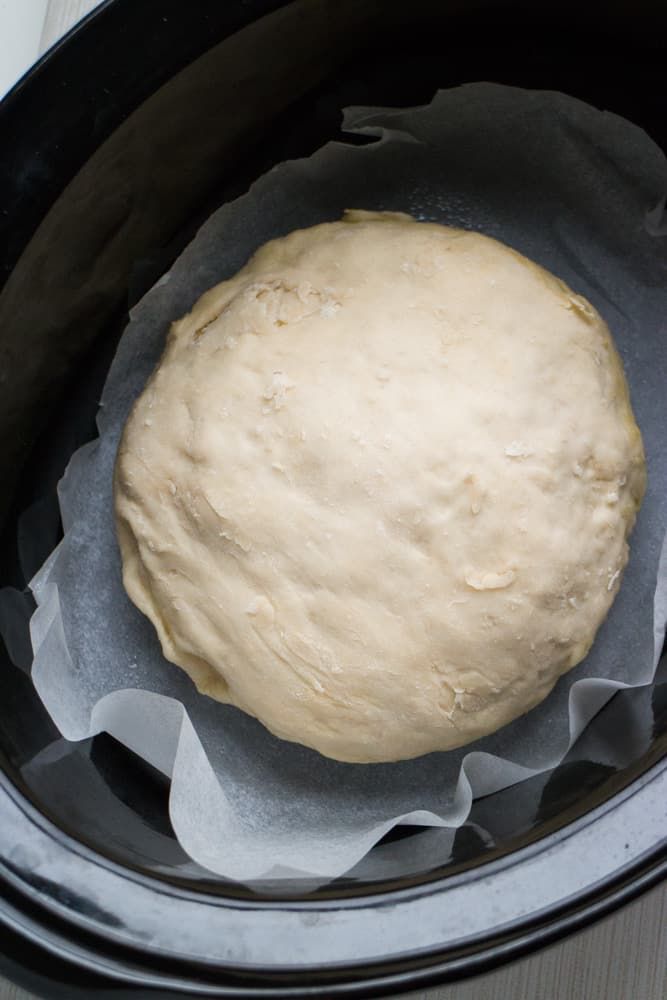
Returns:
(101, 918)
(100, 192)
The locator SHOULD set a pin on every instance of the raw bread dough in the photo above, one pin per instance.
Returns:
(377, 492)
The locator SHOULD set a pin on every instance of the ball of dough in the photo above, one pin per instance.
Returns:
(378, 489)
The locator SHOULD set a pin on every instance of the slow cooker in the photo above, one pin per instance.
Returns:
(113, 150)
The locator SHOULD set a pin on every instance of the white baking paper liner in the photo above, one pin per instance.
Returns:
(571, 187)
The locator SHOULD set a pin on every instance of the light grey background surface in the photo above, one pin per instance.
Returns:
(623, 957)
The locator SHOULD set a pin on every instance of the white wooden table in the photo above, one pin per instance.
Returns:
(623, 957)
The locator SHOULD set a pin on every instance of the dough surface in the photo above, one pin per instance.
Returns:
(377, 492)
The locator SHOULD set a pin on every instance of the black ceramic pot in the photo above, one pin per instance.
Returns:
(112, 150)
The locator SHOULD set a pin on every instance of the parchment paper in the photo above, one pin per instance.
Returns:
(573, 188)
